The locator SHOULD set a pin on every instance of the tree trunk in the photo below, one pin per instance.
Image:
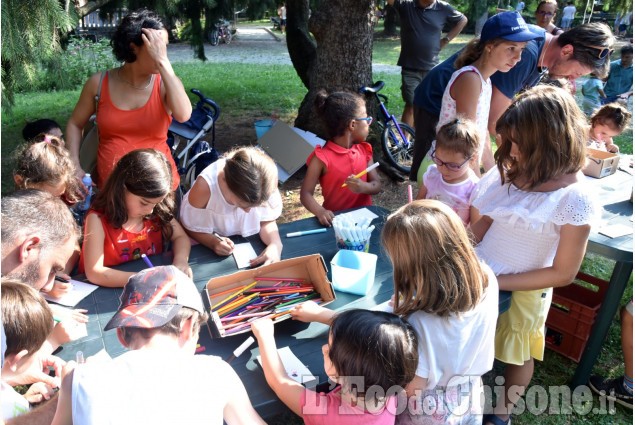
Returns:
(302, 48)
(343, 32)
(391, 21)
(90, 6)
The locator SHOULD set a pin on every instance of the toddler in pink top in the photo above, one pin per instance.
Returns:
(451, 179)
(362, 394)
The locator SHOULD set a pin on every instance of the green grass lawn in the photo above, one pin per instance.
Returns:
(249, 89)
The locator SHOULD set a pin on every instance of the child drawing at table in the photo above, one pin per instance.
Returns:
(27, 321)
(451, 179)
(236, 195)
(451, 300)
(607, 122)
(133, 214)
(345, 155)
(536, 218)
(375, 348)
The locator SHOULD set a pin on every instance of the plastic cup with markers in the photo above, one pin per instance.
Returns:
(352, 236)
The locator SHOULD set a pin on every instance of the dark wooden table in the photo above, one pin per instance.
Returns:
(615, 196)
(305, 340)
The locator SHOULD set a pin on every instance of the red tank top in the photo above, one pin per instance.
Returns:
(341, 163)
(123, 131)
(121, 246)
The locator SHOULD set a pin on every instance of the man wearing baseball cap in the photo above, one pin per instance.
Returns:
(584, 49)
(160, 380)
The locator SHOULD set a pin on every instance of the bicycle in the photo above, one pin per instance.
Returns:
(221, 31)
(397, 138)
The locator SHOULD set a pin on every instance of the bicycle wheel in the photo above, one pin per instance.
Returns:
(228, 36)
(397, 151)
(213, 37)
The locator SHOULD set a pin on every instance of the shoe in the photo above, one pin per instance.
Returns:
(612, 389)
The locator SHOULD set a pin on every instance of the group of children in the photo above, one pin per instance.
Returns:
(528, 217)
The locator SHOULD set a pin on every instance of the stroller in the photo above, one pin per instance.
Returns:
(197, 154)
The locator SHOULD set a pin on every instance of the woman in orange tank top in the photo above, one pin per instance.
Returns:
(137, 100)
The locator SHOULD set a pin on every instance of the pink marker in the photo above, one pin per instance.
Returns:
(409, 194)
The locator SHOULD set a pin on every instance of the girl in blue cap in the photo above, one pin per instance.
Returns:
(469, 91)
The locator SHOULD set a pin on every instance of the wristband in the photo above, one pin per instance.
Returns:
(446, 39)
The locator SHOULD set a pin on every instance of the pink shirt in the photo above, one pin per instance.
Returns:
(455, 195)
(328, 409)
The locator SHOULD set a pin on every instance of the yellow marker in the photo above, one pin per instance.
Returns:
(367, 170)
(235, 294)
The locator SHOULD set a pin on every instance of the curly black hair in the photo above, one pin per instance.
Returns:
(129, 31)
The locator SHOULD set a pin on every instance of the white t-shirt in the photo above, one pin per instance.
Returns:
(221, 217)
(454, 346)
(150, 387)
(13, 403)
(568, 12)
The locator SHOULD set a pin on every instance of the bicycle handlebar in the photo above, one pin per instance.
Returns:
(215, 108)
(374, 88)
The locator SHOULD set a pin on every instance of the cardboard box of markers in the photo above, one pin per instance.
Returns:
(233, 301)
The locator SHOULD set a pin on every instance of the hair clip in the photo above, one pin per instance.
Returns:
(458, 121)
(47, 139)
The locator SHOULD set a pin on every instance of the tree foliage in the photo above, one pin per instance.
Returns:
(30, 34)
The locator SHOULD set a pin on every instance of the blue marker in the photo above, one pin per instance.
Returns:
(306, 232)
(147, 260)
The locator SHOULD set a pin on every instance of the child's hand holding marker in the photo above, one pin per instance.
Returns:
(224, 247)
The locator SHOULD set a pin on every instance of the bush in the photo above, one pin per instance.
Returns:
(72, 67)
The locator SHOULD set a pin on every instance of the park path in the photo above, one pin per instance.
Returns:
(251, 44)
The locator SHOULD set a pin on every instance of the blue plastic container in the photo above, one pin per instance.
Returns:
(262, 127)
(353, 271)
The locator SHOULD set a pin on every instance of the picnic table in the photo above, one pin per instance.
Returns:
(304, 339)
(615, 194)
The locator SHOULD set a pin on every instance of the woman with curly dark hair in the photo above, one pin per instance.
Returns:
(137, 100)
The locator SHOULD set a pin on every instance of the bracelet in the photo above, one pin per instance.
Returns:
(446, 39)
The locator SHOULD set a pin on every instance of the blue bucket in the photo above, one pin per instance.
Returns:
(262, 127)
(353, 271)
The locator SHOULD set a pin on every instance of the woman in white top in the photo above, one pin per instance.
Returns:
(469, 91)
(236, 195)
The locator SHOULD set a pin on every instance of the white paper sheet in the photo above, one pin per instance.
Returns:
(358, 215)
(294, 367)
(616, 230)
(78, 292)
(243, 252)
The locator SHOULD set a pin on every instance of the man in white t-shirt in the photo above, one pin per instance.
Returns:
(568, 13)
(160, 380)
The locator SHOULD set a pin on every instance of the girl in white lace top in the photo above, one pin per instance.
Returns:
(535, 222)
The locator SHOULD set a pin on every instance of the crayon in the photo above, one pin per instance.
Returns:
(235, 294)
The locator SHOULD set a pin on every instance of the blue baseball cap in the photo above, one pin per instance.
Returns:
(510, 26)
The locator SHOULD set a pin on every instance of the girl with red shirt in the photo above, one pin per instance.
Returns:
(132, 215)
(342, 157)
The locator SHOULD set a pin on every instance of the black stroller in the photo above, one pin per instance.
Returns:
(197, 153)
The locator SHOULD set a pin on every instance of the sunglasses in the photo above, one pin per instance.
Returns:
(449, 165)
(546, 14)
(604, 51)
(368, 120)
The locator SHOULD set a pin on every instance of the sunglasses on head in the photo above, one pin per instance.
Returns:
(604, 51)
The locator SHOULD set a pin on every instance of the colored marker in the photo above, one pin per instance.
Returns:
(367, 170)
(241, 349)
(199, 349)
(79, 357)
(146, 260)
(409, 194)
(61, 279)
(219, 237)
(306, 232)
